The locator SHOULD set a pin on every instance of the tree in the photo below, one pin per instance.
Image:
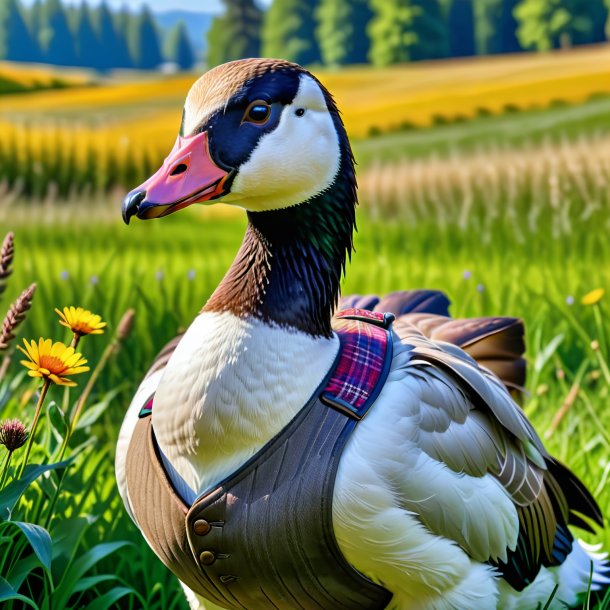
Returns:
(236, 33)
(591, 17)
(178, 47)
(289, 31)
(16, 41)
(550, 24)
(56, 38)
(122, 25)
(35, 19)
(509, 43)
(88, 49)
(391, 32)
(144, 41)
(486, 26)
(407, 30)
(430, 27)
(112, 41)
(342, 31)
(461, 29)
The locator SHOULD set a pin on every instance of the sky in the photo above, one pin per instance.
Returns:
(205, 6)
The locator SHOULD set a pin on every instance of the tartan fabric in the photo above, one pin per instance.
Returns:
(147, 408)
(363, 363)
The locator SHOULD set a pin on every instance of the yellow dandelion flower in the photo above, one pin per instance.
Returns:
(81, 321)
(593, 297)
(53, 361)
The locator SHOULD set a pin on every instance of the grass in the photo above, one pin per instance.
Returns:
(166, 270)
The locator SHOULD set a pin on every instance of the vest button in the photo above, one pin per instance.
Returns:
(201, 527)
(207, 558)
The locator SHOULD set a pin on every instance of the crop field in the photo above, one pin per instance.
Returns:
(92, 138)
(508, 215)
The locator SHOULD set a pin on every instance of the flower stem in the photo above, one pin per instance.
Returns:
(108, 352)
(7, 463)
(43, 393)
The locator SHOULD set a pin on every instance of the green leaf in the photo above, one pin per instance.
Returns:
(79, 568)
(92, 581)
(21, 570)
(66, 535)
(39, 540)
(108, 599)
(58, 418)
(93, 413)
(7, 593)
(547, 353)
(10, 495)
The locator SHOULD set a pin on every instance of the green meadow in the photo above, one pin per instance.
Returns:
(530, 241)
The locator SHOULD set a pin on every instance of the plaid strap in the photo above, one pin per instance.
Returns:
(364, 362)
(146, 410)
(363, 366)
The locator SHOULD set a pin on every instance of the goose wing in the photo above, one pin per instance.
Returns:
(468, 422)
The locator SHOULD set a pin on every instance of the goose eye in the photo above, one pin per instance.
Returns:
(258, 112)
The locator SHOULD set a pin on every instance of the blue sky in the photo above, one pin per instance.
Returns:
(206, 6)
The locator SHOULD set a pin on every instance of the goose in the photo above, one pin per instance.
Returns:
(441, 497)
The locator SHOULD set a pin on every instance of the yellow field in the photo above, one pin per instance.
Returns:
(137, 120)
(40, 75)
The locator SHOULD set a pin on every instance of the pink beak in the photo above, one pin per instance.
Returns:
(187, 176)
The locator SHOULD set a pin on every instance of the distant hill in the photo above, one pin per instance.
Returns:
(197, 25)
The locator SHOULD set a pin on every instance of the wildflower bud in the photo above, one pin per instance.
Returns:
(7, 252)
(13, 434)
(560, 374)
(595, 345)
(15, 316)
(126, 325)
(595, 375)
(542, 389)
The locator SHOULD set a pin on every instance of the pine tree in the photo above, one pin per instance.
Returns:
(461, 29)
(391, 31)
(236, 33)
(35, 19)
(178, 47)
(509, 43)
(56, 37)
(122, 26)
(486, 24)
(88, 49)
(289, 29)
(113, 42)
(588, 20)
(342, 31)
(16, 41)
(144, 41)
(430, 28)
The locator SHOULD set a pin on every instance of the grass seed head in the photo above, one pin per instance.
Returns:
(7, 253)
(15, 316)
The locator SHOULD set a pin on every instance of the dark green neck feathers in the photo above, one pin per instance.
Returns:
(289, 267)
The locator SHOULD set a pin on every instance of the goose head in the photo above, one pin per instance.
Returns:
(260, 134)
(265, 135)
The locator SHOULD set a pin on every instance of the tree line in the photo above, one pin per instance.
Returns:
(384, 32)
(98, 37)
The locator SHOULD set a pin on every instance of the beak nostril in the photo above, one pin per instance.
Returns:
(179, 169)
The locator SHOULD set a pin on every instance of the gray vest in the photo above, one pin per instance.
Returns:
(263, 538)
